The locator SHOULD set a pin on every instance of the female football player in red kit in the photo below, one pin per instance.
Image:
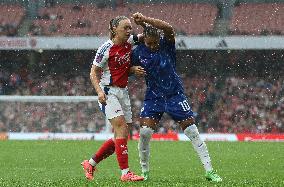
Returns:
(109, 76)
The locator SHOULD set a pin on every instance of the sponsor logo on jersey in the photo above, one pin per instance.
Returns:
(122, 59)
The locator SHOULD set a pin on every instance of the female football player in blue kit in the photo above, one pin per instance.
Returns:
(165, 93)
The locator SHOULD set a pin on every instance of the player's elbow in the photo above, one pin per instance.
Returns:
(92, 72)
(170, 31)
(169, 28)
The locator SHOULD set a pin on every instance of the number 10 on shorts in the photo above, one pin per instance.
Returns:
(185, 106)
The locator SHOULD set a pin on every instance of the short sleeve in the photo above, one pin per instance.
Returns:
(135, 58)
(102, 56)
(167, 44)
(133, 40)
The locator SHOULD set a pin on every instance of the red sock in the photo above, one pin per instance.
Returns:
(121, 151)
(104, 151)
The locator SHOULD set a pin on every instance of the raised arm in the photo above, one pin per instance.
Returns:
(168, 30)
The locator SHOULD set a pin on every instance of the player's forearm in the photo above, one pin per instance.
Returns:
(95, 77)
(160, 24)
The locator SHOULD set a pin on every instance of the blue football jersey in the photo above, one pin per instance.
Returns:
(160, 66)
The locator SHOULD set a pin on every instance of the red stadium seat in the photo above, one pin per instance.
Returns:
(11, 17)
(190, 19)
(257, 18)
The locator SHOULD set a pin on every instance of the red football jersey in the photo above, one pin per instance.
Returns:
(115, 60)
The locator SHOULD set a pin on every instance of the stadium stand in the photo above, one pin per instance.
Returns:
(189, 18)
(11, 17)
(238, 98)
(230, 93)
(243, 105)
(258, 18)
(70, 19)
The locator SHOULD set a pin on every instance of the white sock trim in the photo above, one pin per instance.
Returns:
(124, 171)
(92, 162)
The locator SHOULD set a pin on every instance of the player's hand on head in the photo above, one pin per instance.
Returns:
(102, 98)
(139, 71)
(138, 18)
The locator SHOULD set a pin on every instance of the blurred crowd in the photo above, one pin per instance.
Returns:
(51, 117)
(247, 98)
(14, 84)
(248, 105)
(8, 29)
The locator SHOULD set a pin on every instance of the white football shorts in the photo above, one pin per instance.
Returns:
(118, 103)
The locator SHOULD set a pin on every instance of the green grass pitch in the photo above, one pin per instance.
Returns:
(57, 163)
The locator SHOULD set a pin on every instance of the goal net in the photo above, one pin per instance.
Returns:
(55, 114)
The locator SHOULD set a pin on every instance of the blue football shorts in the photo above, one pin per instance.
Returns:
(177, 106)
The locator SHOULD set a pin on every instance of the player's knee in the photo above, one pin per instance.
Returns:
(187, 123)
(146, 132)
(121, 126)
(120, 129)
